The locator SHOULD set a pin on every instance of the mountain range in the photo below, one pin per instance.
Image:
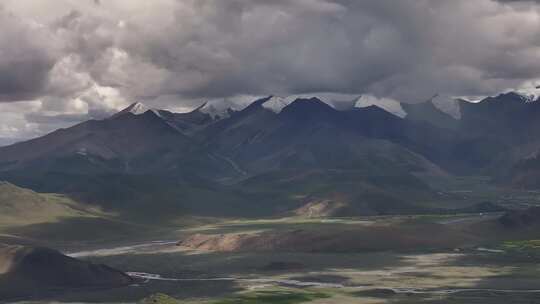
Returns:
(278, 154)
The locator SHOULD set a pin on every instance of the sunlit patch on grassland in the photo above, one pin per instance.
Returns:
(423, 271)
(275, 297)
(524, 245)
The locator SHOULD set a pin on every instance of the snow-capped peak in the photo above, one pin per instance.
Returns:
(276, 104)
(136, 108)
(219, 108)
(529, 94)
(389, 105)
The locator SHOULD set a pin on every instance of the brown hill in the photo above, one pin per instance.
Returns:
(398, 237)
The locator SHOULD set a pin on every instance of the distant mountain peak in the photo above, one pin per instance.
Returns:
(135, 108)
(529, 94)
(389, 105)
(309, 101)
(219, 109)
(313, 99)
(307, 107)
(276, 104)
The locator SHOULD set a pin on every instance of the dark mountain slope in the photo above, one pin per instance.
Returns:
(358, 192)
(506, 117)
(427, 112)
(524, 174)
(189, 122)
(29, 271)
(120, 143)
(310, 134)
(499, 135)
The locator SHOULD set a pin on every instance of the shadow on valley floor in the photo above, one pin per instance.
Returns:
(214, 265)
(73, 232)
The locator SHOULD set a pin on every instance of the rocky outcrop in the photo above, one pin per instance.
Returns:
(403, 237)
(320, 208)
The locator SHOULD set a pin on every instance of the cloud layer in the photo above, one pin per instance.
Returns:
(84, 59)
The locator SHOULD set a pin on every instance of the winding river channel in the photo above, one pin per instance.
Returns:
(302, 284)
(156, 246)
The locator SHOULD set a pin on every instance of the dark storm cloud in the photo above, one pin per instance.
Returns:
(515, 1)
(87, 58)
(54, 119)
(407, 50)
(25, 58)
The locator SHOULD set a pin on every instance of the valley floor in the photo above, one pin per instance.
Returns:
(499, 271)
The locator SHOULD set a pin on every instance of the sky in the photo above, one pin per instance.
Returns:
(66, 61)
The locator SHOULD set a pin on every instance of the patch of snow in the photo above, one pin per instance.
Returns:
(389, 105)
(530, 94)
(447, 104)
(156, 111)
(136, 108)
(220, 108)
(276, 104)
(473, 98)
